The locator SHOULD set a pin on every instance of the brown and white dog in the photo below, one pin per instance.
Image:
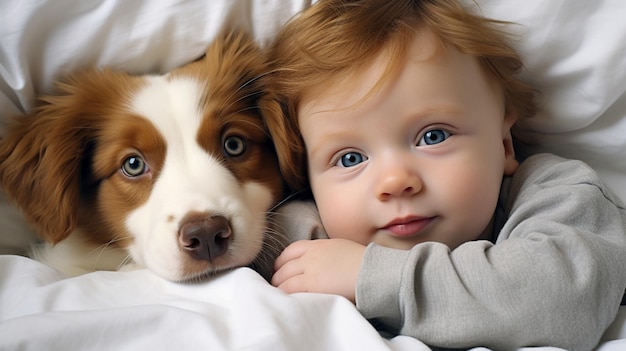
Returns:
(175, 173)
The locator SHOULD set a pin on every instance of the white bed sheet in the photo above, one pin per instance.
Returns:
(574, 53)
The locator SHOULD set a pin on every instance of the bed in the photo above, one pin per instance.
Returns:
(575, 52)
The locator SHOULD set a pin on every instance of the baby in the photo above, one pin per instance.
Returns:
(398, 116)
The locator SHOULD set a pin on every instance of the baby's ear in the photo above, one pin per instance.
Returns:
(287, 143)
(510, 162)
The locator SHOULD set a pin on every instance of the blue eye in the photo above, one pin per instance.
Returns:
(351, 159)
(434, 136)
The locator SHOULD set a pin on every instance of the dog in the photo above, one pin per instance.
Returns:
(175, 173)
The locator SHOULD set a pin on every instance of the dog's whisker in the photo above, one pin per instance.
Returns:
(247, 108)
(282, 201)
(242, 98)
(273, 243)
(252, 123)
(102, 249)
(243, 86)
(246, 84)
(250, 81)
(127, 260)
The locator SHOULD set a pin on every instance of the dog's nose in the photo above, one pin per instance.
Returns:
(205, 237)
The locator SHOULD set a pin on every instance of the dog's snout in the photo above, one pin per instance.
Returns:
(206, 237)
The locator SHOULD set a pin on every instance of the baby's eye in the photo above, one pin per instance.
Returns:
(434, 136)
(351, 159)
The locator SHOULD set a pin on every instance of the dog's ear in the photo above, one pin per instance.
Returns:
(39, 171)
(41, 156)
(287, 142)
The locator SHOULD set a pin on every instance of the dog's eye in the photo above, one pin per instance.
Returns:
(134, 166)
(234, 146)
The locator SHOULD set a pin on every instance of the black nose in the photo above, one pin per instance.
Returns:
(205, 237)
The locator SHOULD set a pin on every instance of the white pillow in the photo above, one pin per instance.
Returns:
(575, 53)
(42, 40)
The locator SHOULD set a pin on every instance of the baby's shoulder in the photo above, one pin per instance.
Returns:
(545, 172)
(550, 168)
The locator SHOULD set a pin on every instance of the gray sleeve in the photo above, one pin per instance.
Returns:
(555, 277)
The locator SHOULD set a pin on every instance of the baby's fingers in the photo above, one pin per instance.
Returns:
(292, 252)
(294, 284)
(283, 277)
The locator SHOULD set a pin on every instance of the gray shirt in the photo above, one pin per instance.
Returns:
(553, 274)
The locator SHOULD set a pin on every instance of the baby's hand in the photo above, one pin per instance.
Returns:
(324, 266)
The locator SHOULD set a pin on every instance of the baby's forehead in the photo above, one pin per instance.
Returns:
(358, 83)
(425, 45)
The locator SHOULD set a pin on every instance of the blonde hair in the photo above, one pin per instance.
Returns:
(336, 37)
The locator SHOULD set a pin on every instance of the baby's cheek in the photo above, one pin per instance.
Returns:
(343, 220)
(476, 199)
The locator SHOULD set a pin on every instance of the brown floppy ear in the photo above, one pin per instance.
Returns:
(287, 142)
(40, 171)
(41, 157)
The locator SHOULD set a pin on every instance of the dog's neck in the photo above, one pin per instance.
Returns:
(86, 257)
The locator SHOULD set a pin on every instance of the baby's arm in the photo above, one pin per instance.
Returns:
(555, 276)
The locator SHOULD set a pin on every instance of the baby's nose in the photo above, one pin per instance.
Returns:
(398, 180)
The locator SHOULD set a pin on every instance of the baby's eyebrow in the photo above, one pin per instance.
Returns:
(440, 109)
(322, 142)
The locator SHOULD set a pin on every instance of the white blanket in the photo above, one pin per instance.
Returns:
(137, 310)
(575, 53)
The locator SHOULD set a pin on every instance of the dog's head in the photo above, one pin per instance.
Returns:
(179, 170)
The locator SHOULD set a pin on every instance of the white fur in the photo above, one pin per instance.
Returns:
(86, 257)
